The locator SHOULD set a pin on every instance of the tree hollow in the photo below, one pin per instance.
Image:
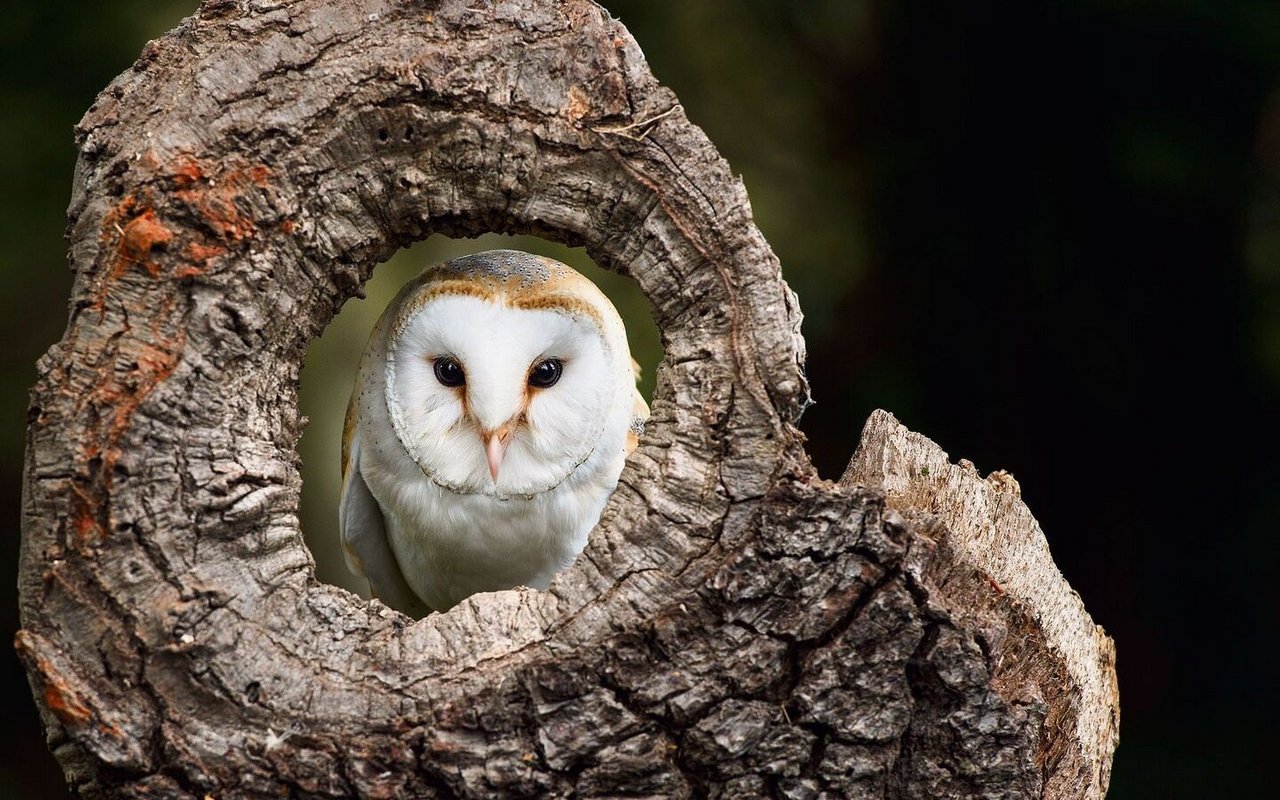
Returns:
(736, 627)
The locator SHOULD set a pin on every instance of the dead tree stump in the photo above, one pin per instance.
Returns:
(737, 626)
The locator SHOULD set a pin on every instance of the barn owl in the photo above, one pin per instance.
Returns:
(493, 409)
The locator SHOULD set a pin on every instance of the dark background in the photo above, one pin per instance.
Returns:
(1047, 235)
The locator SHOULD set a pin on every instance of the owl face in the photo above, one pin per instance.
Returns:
(493, 396)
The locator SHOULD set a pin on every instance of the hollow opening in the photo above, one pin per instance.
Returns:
(332, 361)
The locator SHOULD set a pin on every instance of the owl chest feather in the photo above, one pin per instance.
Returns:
(452, 545)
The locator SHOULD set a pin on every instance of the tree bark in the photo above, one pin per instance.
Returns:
(736, 628)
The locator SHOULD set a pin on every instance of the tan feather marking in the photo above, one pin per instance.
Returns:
(554, 301)
(568, 292)
(563, 290)
(520, 280)
(481, 288)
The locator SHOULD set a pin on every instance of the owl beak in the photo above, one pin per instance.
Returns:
(495, 447)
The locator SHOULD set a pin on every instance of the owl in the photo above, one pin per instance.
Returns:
(493, 409)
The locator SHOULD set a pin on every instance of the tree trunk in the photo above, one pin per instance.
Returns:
(736, 628)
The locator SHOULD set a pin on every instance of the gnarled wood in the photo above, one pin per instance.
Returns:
(996, 575)
(736, 627)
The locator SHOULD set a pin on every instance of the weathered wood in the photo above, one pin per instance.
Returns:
(996, 575)
(736, 627)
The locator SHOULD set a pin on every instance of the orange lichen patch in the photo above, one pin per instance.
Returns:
(59, 697)
(187, 172)
(113, 225)
(140, 237)
(123, 394)
(133, 232)
(142, 223)
(65, 704)
(213, 195)
(84, 518)
(198, 257)
(154, 218)
(218, 209)
(204, 252)
(116, 397)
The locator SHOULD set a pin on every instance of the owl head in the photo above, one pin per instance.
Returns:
(504, 373)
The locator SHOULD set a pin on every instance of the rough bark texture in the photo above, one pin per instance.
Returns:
(736, 628)
(995, 575)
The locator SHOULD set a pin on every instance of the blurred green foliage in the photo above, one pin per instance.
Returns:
(1046, 234)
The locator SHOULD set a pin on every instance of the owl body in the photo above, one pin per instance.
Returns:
(491, 416)
(451, 546)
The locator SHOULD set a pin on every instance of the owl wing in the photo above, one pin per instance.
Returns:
(364, 532)
(639, 413)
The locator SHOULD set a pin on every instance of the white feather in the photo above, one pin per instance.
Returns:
(364, 539)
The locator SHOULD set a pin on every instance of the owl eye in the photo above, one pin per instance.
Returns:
(545, 373)
(449, 371)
